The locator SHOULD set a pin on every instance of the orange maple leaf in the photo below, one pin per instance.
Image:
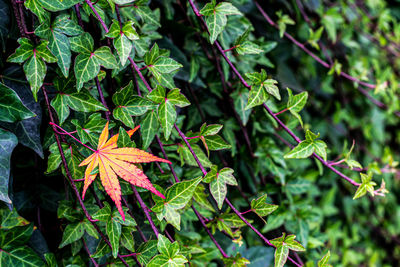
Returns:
(113, 161)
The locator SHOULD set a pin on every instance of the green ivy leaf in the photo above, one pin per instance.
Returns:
(296, 103)
(105, 58)
(23, 52)
(314, 37)
(113, 229)
(103, 214)
(127, 240)
(146, 251)
(11, 107)
(7, 143)
(237, 261)
(157, 95)
(186, 156)
(82, 44)
(303, 150)
(283, 21)
(72, 232)
(35, 71)
(128, 105)
(124, 47)
(147, 15)
(218, 182)
(307, 147)
(59, 46)
(281, 255)
(248, 47)
(129, 30)
(162, 260)
(367, 185)
(149, 125)
(86, 68)
(20, 256)
(261, 208)
(167, 117)
(177, 98)
(216, 17)
(58, 5)
(176, 197)
(84, 101)
(324, 261)
(164, 65)
(215, 142)
(36, 7)
(257, 96)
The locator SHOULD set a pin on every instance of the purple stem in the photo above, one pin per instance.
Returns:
(78, 15)
(97, 15)
(176, 127)
(145, 210)
(18, 18)
(70, 135)
(137, 226)
(71, 180)
(301, 46)
(90, 256)
(182, 135)
(203, 223)
(103, 101)
(137, 69)
(314, 154)
(298, 140)
(280, 112)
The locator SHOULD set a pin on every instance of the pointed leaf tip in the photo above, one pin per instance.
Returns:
(113, 161)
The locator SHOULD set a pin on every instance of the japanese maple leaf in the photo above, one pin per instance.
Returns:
(112, 162)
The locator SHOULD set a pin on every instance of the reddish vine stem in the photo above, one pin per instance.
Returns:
(18, 18)
(242, 80)
(327, 65)
(103, 101)
(138, 197)
(90, 255)
(176, 127)
(137, 226)
(71, 180)
(224, 85)
(363, 91)
(182, 135)
(203, 223)
(145, 210)
(301, 46)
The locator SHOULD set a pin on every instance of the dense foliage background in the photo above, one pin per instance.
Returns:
(283, 135)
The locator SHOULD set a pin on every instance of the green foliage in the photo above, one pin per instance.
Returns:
(307, 147)
(198, 77)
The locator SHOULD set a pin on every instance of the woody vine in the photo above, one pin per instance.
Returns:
(247, 118)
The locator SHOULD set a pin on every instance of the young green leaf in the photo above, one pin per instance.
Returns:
(216, 17)
(218, 182)
(261, 208)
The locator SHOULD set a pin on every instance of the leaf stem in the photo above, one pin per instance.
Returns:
(229, 49)
(182, 135)
(145, 210)
(103, 101)
(280, 112)
(302, 47)
(89, 254)
(247, 211)
(240, 77)
(203, 223)
(71, 180)
(55, 126)
(89, 3)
